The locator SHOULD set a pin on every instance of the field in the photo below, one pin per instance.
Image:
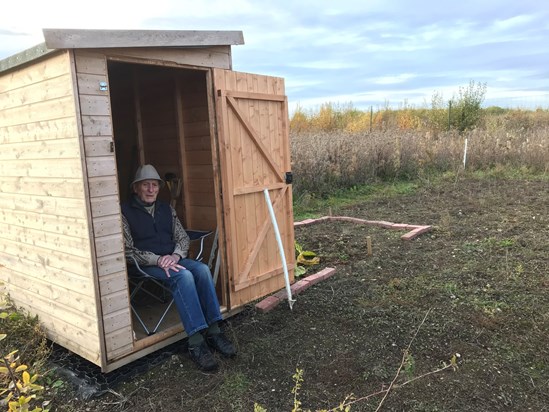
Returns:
(476, 288)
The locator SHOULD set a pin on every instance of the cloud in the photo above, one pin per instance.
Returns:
(367, 52)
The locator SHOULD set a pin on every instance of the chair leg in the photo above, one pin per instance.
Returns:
(139, 287)
(162, 317)
(147, 331)
(216, 270)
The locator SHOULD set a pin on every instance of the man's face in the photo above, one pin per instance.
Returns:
(147, 190)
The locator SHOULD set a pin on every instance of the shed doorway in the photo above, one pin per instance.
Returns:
(162, 116)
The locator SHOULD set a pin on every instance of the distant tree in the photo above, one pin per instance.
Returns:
(495, 110)
(466, 111)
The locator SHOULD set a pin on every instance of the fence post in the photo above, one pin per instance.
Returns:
(449, 114)
(371, 117)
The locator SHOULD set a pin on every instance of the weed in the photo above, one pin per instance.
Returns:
(20, 388)
(409, 366)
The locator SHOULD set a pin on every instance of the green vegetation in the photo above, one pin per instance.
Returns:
(24, 351)
(340, 149)
(312, 206)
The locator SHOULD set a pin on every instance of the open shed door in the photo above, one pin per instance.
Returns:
(254, 154)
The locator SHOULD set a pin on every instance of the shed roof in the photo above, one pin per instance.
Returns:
(84, 39)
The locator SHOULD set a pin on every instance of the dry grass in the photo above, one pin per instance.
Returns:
(331, 157)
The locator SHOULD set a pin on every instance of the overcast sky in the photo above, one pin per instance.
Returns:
(363, 52)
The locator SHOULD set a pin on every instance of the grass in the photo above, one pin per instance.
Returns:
(308, 206)
(483, 274)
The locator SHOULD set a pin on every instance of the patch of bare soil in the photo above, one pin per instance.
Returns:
(482, 272)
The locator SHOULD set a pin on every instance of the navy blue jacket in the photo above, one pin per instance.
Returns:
(153, 234)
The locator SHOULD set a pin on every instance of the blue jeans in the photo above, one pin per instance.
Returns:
(194, 294)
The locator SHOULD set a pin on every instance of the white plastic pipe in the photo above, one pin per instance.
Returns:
(280, 247)
(465, 153)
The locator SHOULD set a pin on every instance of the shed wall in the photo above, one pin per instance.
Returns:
(45, 253)
(95, 112)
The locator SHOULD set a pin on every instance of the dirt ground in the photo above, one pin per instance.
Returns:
(481, 275)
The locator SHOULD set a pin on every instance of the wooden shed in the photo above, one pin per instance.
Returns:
(78, 114)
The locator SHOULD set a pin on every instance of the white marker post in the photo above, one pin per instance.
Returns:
(465, 154)
(280, 247)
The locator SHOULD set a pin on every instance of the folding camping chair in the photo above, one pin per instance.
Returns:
(201, 235)
(138, 278)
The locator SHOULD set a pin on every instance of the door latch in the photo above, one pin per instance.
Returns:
(289, 178)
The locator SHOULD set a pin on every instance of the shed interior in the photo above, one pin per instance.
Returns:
(163, 116)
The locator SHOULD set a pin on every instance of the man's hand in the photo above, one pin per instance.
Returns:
(169, 262)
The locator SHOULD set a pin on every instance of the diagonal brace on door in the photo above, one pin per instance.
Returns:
(262, 233)
(254, 136)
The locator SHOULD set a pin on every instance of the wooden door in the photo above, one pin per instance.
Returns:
(254, 154)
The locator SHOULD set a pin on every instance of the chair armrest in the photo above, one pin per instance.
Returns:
(137, 266)
(195, 235)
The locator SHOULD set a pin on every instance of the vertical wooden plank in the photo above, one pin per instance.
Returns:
(273, 259)
(223, 283)
(138, 118)
(182, 149)
(92, 64)
(226, 173)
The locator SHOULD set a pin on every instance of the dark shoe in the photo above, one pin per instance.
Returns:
(202, 356)
(220, 343)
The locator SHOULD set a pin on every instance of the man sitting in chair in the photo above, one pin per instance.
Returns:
(153, 234)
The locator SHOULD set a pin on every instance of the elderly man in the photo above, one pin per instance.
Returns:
(153, 234)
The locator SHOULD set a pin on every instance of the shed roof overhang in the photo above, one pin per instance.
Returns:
(100, 39)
